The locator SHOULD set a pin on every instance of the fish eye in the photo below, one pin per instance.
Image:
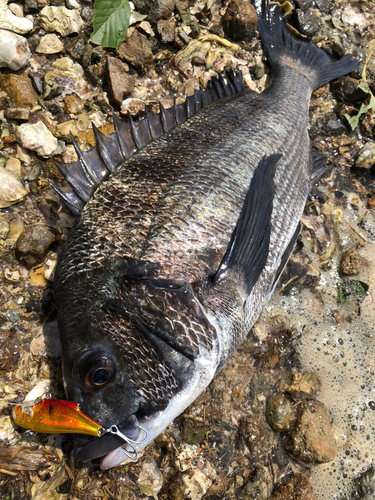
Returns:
(96, 370)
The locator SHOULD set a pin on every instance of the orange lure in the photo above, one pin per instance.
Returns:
(53, 416)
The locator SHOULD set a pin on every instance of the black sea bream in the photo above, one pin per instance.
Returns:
(175, 252)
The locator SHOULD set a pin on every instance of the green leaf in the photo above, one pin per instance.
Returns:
(364, 86)
(111, 22)
(342, 297)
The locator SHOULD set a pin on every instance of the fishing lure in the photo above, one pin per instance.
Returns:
(56, 416)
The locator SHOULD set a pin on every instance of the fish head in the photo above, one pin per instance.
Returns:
(135, 359)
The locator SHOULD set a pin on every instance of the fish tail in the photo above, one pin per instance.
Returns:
(283, 49)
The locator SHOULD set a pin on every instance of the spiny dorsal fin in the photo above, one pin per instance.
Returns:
(95, 165)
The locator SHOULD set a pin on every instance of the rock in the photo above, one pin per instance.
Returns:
(166, 30)
(280, 413)
(183, 8)
(119, 83)
(4, 226)
(36, 137)
(17, 114)
(11, 188)
(12, 22)
(61, 19)
(50, 44)
(14, 165)
(136, 50)
(309, 21)
(75, 47)
(240, 20)
(73, 104)
(301, 382)
(132, 106)
(19, 90)
(14, 50)
(69, 77)
(371, 202)
(336, 126)
(296, 487)
(350, 262)
(16, 228)
(33, 244)
(258, 438)
(312, 440)
(64, 129)
(257, 485)
(346, 89)
(150, 479)
(366, 158)
(155, 9)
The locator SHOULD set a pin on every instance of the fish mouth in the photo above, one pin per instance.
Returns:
(124, 435)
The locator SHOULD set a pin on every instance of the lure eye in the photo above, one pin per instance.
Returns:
(96, 370)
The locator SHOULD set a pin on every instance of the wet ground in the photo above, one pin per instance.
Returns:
(313, 344)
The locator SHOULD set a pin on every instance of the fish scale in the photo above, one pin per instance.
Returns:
(174, 256)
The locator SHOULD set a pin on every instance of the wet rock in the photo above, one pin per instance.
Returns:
(166, 30)
(61, 19)
(17, 114)
(119, 83)
(306, 382)
(73, 104)
(312, 440)
(33, 244)
(258, 484)
(16, 228)
(10, 21)
(280, 413)
(11, 188)
(258, 438)
(296, 487)
(155, 9)
(75, 47)
(132, 106)
(346, 89)
(19, 90)
(64, 129)
(136, 50)
(336, 126)
(350, 262)
(366, 158)
(36, 137)
(150, 479)
(240, 20)
(69, 77)
(14, 50)
(14, 165)
(50, 44)
(310, 21)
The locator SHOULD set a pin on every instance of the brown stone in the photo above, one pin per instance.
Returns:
(33, 244)
(119, 83)
(350, 263)
(73, 104)
(166, 30)
(19, 90)
(136, 50)
(17, 113)
(296, 487)
(312, 439)
(155, 9)
(240, 20)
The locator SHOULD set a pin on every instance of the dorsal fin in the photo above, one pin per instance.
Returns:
(95, 165)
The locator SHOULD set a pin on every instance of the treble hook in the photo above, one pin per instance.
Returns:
(132, 454)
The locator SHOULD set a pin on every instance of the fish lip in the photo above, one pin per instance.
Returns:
(108, 442)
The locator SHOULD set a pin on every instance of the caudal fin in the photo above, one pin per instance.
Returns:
(282, 47)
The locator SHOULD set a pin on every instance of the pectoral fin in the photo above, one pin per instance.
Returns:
(249, 245)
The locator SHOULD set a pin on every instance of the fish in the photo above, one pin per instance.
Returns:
(184, 223)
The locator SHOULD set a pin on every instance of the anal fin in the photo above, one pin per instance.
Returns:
(249, 246)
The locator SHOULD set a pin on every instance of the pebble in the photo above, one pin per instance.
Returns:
(258, 484)
(61, 19)
(296, 487)
(69, 77)
(150, 479)
(136, 50)
(309, 21)
(14, 50)
(132, 106)
(366, 158)
(11, 188)
(4, 227)
(154, 9)
(119, 83)
(336, 127)
(14, 165)
(33, 244)
(36, 137)
(19, 90)
(346, 89)
(73, 104)
(166, 30)
(64, 129)
(10, 21)
(280, 413)
(16, 228)
(17, 114)
(50, 44)
(240, 20)
(301, 382)
(350, 263)
(312, 439)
